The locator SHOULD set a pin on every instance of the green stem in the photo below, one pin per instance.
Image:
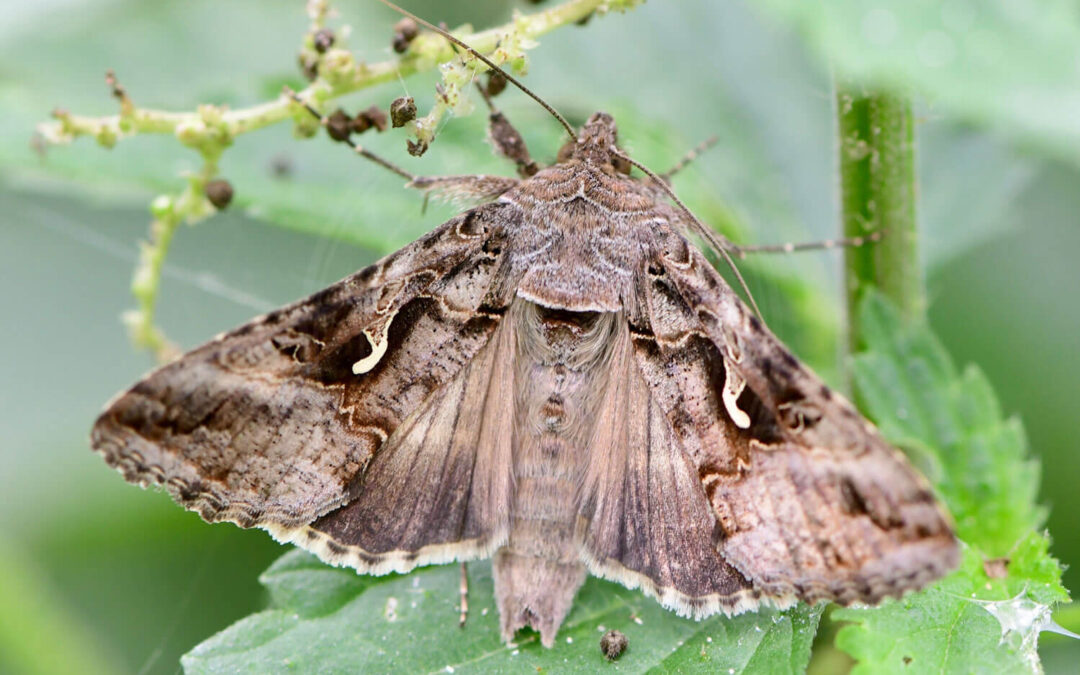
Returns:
(169, 211)
(341, 75)
(211, 129)
(878, 198)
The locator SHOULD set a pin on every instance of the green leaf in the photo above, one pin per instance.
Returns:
(971, 621)
(326, 619)
(907, 383)
(967, 623)
(1005, 64)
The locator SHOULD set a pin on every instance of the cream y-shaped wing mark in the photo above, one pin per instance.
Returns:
(645, 521)
(438, 489)
(270, 424)
(809, 499)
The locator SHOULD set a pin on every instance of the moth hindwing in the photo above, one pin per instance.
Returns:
(556, 379)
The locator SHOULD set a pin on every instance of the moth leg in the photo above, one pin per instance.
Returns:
(464, 595)
(506, 140)
(689, 157)
(464, 188)
(479, 188)
(825, 244)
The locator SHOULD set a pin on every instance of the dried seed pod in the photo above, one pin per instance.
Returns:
(219, 192)
(308, 66)
(416, 148)
(339, 125)
(404, 33)
(407, 29)
(361, 123)
(376, 118)
(402, 111)
(496, 82)
(613, 644)
(323, 40)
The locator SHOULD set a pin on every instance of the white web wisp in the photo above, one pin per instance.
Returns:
(1022, 619)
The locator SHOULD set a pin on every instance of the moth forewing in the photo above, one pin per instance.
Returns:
(557, 379)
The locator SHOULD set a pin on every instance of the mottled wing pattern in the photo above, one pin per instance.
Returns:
(808, 498)
(437, 489)
(272, 424)
(646, 522)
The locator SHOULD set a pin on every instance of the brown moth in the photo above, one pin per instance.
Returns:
(556, 379)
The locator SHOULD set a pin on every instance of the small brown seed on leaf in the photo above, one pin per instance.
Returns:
(996, 568)
(323, 40)
(613, 644)
(339, 125)
(402, 111)
(219, 192)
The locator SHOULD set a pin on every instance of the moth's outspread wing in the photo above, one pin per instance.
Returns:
(645, 519)
(273, 423)
(808, 498)
(438, 488)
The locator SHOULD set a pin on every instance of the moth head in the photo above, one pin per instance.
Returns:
(595, 144)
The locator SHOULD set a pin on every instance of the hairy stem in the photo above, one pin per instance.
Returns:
(878, 195)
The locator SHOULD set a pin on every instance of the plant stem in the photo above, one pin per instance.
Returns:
(210, 130)
(344, 76)
(878, 195)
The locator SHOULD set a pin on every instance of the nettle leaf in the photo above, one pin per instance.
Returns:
(986, 617)
(325, 619)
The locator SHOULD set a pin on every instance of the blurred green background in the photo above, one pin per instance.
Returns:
(97, 573)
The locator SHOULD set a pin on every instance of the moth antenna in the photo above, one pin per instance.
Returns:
(719, 244)
(823, 245)
(690, 157)
(489, 63)
(358, 149)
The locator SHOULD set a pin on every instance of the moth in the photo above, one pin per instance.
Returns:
(557, 379)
